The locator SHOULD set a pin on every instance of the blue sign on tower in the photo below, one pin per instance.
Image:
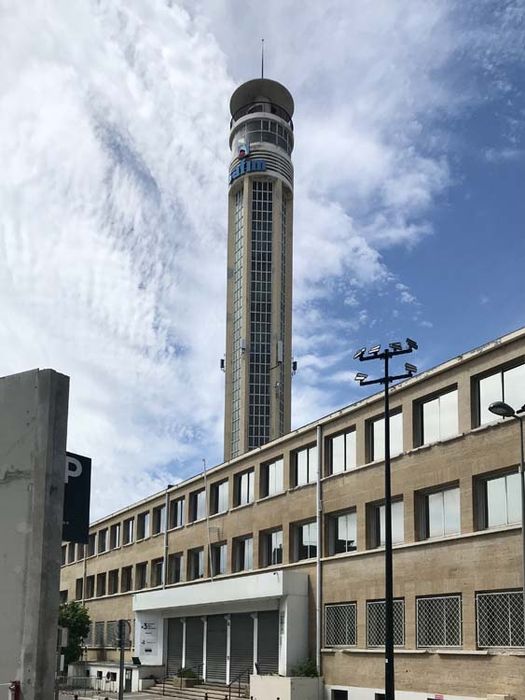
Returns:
(247, 166)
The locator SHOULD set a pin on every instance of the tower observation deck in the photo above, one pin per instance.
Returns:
(259, 289)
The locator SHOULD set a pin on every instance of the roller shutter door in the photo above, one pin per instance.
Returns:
(241, 646)
(268, 641)
(175, 630)
(216, 648)
(194, 641)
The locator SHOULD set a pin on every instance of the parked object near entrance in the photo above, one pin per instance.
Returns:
(286, 688)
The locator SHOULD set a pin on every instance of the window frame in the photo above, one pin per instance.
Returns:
(143, 525)
(197, 498)
(238, 489)
(176, 513)
(297, 529)
(192, 555)
(476, 389)
(331, 530)
(329, 442)
(403, 621)
(370, 433)
(239, 557)
(444, 596)
(422, 511)
(373, 524)
(219, 558)
(418, 415)
(267, 549)
(481, 505)
(311, 469)
(265, 481)
(128, 527)
(352, 605)
(217, 498)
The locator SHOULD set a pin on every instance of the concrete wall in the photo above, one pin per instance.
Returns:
(33, 428)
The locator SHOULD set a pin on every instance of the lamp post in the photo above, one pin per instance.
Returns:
(500, 408)
(375, 353)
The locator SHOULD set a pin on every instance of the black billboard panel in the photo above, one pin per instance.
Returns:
(77, 491)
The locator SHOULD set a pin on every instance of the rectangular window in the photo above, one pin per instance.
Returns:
(175, 568)
(177, 513)
(63, 597)
(159, 519)
(141, 576)
(305, 466)
(436, 418)
(272, 478)
(243, 554)
(64, 554)
(197, 505)
(157, 572)
(90, 586)
(79, 588)
(375, 623)
(114, 536)
(438, 621)
(126, 579)
(340, 625)
(503, 500)
(111, 636)
(102, 541)
(80, 552)
(219, 497)
(272, 547)
(341, 532)
(342, 454)
(101, 585)
(219, 558)
(70, 553)
(99, 634)
(506, 385)
(244, 487)
(439, 513)
(306, 541)
(376, 524)
(499, 618)
(143, 525)
(377, 436)
(195, 564)
(113, 582)
(91, 545)
(128, 530)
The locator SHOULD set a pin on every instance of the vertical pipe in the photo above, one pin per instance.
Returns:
(389, 589)
(522, 482)
(166, 515)
(319, 513)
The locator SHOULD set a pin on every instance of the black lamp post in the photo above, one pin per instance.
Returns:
(375, 353)
(500, 408)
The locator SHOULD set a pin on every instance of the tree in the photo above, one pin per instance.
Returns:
(76, 618)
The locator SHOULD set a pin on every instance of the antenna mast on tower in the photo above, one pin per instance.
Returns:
(262, 58)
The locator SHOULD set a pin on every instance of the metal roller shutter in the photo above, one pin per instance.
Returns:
(175, 630)
(268, 641)
(194, 642)
(241, 651)
(216, 648)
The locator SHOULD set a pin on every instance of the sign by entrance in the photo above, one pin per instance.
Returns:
(77, 491)
(246, 165)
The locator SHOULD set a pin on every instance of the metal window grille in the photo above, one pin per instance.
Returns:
(89, 639)
(439, 621)
(375, 622)
(341, 624)
(112, 633)
(500, 619)
(99, 634)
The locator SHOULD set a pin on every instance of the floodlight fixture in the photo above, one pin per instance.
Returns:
(359, 354)
(500, 408)
(374, 349)
(396, 347)
(412, 344)
(360, 377)
(412, 369)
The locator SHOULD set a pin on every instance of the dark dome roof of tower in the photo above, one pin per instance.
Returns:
(261, 90)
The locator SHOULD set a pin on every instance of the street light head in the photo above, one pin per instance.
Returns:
(410, 368)
(360, 377)
(396, 347)
(359, 354)
(412, 344)
(500, 408)
(374, 349)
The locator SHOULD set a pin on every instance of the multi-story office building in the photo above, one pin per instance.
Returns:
(259, 292)
(277, 555)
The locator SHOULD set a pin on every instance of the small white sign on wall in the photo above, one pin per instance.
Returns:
(149, 638)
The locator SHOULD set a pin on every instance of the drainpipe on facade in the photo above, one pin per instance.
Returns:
(166, 517)
(318, 583)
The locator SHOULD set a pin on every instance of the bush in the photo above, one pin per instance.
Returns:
(186, 673)
(306, 668)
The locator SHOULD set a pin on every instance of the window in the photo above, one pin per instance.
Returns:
(80, 552)
(499, 619)
(175, 568)
(340, 625)
(342, 454)
(243, 554)
(102, 541)
(177, 513)
(197, 505)
(305, 541)
(90, 586)
(436, 418)
(113, 582)
(375, 622)
(64, 554)
(439, 513)
(244, 487)
(498, 500)
(143, 525)
(63, 597)
(126, 579)
(341, 532)
(112, 634)
(114, 536)
(70, 553)
(219, 497)
(305, 466)
(272, 548)
(272, 478)
(128, 530)
(195, 564)
(159, 519)
(101, 584)
(79, 588)
(377, 524)
(91, 545)
(99, 634)
(438, 621)
(505, 385)
(377, 436)
(141, 576)
(157, 572)
(219, 561)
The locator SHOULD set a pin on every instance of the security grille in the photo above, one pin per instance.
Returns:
(341, 625)
(112, 633)
(99, 634)
(500, 619)
(439, 621)
(375, 623)
(89, 639)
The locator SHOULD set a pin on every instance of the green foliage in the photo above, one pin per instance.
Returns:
(186, 673)
(306, 668)
(76, 618)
